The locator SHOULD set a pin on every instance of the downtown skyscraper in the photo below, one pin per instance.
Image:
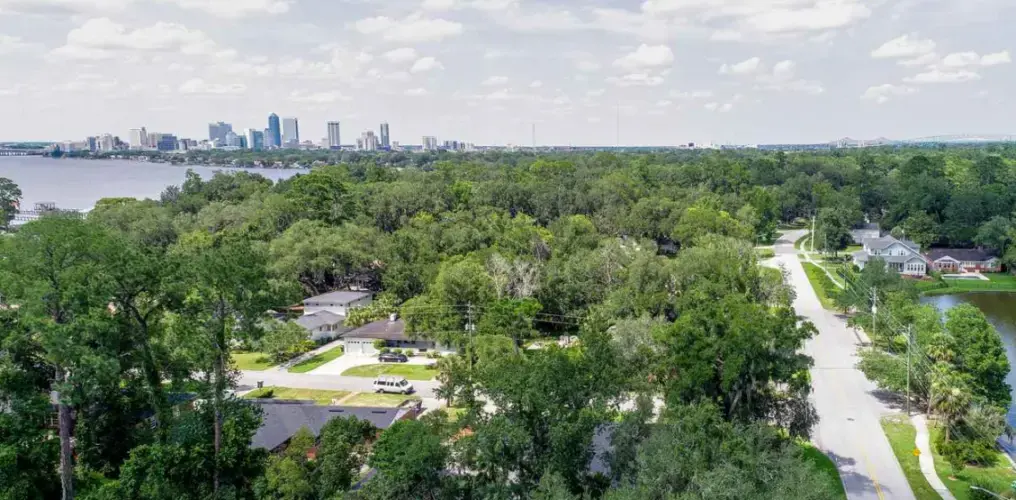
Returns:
(385, 138)
(217, 132)
(273, 139)
(334, 140)
(290, 133)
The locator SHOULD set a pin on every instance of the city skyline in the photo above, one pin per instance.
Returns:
(720, 71)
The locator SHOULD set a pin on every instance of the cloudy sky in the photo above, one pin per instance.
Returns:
(485, 71)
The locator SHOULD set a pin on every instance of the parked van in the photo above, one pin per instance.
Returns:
(392, 385)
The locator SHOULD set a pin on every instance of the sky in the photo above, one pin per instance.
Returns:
(593, 72)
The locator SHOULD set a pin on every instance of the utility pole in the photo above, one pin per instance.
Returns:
(470, 328)
(909, 334)
(874, 312)
(812, 234)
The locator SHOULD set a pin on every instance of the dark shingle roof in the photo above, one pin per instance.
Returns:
(383, 329)
(282, 419)
(339, 297)
(960, 254)
(873, 226)
(319, 319)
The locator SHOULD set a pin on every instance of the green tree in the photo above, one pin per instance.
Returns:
(323, 258)
(996, 234)
(342, 451)
(10, 199)
(410, 460)
(284, 340)
(322, 194)
(980, 353)
(832, 232)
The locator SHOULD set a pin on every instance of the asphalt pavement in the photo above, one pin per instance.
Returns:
(848, 430)
(249, 379)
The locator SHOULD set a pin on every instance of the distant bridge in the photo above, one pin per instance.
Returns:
(961, 139)
(20, 152)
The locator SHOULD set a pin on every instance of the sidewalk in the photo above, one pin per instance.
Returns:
(926, 459)
(284, 367)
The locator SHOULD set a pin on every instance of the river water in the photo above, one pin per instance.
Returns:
(78, 184)
(1000, 309)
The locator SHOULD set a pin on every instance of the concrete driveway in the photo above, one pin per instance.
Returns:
(347, 361)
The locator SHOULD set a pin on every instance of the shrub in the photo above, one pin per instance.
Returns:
(380, 344)
(385, 350)
(765, 253)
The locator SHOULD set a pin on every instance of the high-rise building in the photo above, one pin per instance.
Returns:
(232, 140)
(290, 133)
(334, 141)
(165, 142)
(385, 138)
(217, 132)
(429, 143)
(106, 143)
(273, 136)
(370, 141)
(93, 144)
(255, 139)
(138, 138)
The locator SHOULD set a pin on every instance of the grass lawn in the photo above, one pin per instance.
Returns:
(316, 361)
(803, 243)
(902, 437)
(252, 361)
(821, 283)
(997, 477)
(825, 466)
(318, 396)
(998, 282)
(411, 372)
(1002, 278)
(378, 400)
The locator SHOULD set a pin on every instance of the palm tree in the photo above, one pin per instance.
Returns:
(950, 397)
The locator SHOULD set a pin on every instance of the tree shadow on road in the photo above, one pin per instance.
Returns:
(856, 483)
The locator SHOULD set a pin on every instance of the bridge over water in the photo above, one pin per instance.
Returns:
(20, 152)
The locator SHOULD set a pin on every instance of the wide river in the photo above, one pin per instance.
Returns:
(78, 184)
(1000, 309)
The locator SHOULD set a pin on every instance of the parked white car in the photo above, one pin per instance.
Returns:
(392, 385)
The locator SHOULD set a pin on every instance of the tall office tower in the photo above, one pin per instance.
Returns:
(255, 139)
(273, 136)
(232, 140)
(138, 138)
(217, 132)
(429, 143)
(167, 142)
(106, 142)
(369, 141)
(385, 139)
(93, 144)
(334, 141)
(359, 143)
(290, 133)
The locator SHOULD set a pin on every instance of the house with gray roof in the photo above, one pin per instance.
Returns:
(902, 256)
(865, 231)
(323, 325)
(324, 315)
(392, 331)
(282, 419)
(963, 260)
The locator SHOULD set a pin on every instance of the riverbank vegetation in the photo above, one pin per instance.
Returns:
(649, 259)
(997, 282)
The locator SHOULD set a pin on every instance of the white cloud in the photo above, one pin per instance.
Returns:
(400, 55)
(909, 46)
(587, 66)
(437, 4)
(882, 93)
(719, 108)
(963, 59)
(784, 69)
(943, 76)
(410, 29)
(663, 103)
(424, 64)
(763, 17)
(646, 56)
(199, 86)
(595, 92)
(536, 84)
(695, 94)
(102, 38)
(11, 44)
(636, 80)
(419, 91)
(726, 36)
(87, 82)
(316, 97)
(75, 5)
(823, 15)
(922, 60)
(495, 80)
(234, 8)
(746, 67)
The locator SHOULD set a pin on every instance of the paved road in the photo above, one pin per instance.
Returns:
(249, 379)
(848, 430)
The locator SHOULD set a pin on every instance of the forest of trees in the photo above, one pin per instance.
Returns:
(648, 258)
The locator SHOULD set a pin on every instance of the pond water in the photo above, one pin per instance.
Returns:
(1000, 309)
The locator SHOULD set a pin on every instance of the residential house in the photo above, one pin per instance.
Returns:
(392, 331)
(323, 325)
(963, 260)
(324, 315)
(337, 302)
(903, 256)
(868, 231)
(283, 418)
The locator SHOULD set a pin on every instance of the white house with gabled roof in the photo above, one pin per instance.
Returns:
(902, 256)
